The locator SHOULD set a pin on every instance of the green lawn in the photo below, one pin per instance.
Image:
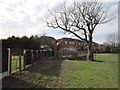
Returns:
(68, 74)
(15, 63)
(102, 74)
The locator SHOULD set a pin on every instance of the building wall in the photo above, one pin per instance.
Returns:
(75, 45)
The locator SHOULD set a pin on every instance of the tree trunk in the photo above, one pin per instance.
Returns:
(90, 52)
(90, 56)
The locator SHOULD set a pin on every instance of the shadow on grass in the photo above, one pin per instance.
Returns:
(87, 60)
(13, 82)
(47, 67)
(98, 61)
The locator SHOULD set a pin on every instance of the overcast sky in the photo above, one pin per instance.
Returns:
(24, 17)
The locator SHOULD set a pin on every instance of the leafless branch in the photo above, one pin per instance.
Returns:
(80, 17)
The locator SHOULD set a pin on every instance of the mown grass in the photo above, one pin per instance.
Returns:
(15, 63)
(68, 74)
(101, 74)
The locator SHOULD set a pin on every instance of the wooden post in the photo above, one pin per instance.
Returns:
(37, 54)
(50, 53)
(1, 57)
(32, 57)
(44, 54)
(24, 52)
(41, 54)
(20, 63)
(9, 62)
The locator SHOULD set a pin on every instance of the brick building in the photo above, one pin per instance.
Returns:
(74, 44)
(65, 44)
(71, 44)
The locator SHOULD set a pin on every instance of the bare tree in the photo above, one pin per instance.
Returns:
(112, 41)
(79, 19)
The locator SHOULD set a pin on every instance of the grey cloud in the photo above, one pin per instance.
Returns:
(10, 9)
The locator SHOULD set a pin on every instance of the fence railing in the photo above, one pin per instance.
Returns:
(30, 57)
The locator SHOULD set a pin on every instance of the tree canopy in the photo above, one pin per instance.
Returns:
(79, 19)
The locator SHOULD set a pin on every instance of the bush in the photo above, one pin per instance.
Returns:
(75, 55)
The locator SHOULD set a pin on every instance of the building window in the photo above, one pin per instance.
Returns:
(66, 42)
(76, 43)
(73, 42)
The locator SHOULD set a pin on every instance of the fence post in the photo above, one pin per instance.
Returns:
(32, 57)
(44, 53)
(37, 55)
(24, 52)
(0, 57)
(9, 62)
(20, 63)
(50, 53)
(41, 54)
(1, 64)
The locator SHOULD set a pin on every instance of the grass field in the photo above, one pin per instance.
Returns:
(15, 63)
(68, 74)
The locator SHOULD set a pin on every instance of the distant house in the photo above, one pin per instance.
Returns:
(74, 45)
(47, 43)
(65, 44)
(71, 44)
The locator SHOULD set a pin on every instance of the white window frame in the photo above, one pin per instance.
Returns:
(66, 42)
